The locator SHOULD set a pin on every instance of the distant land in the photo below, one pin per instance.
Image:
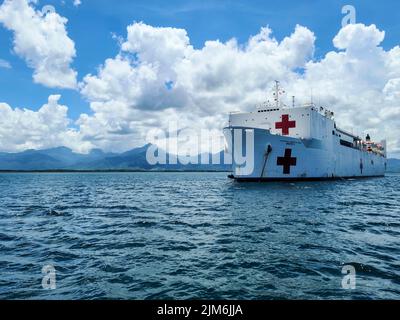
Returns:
(64, 159)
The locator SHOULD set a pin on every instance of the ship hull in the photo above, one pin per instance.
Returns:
(271, 157)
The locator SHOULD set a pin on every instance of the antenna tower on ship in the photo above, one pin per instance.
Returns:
(278, 92)
(312, 97)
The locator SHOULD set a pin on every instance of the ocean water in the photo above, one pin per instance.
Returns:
(197, 236)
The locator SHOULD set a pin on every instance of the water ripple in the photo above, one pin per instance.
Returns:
(196, 236)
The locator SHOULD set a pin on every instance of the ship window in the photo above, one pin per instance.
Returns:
(333, 132)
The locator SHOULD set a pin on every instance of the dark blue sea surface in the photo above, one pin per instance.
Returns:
(197, 236)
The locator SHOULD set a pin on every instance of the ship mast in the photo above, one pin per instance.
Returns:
(277, 93)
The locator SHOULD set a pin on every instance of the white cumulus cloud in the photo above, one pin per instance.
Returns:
(41, 39)
(360, 82)
(22, 129)
(158, 77)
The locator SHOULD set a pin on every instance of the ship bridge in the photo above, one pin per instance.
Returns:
(303, 122)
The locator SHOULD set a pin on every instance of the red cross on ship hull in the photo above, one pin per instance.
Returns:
(285, 125)
(287, 161)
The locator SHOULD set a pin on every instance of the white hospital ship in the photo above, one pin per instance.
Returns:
(276, 142)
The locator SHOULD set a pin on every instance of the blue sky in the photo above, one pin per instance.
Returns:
(92, 24)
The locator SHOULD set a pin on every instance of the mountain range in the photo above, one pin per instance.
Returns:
(63, 158)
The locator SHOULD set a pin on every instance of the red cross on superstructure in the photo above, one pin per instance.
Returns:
(287, 161)
(285, 125)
